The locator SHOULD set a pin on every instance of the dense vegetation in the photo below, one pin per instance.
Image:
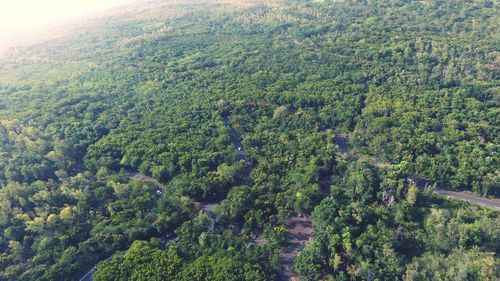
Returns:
(112, 135)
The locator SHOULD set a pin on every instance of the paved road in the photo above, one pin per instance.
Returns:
(341, 141)
(207, 206)
(490, 203)
(90, 275)
(239, 149)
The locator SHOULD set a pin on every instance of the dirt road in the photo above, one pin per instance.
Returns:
(299, 231)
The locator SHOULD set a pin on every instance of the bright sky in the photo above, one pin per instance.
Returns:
(27, 16)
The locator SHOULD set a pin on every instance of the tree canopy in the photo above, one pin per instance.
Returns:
(117, 133)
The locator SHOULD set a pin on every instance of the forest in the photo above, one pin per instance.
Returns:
(116, 135)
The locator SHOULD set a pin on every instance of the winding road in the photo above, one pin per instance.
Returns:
(343, 144)
(207, 206)
(89, 276)
(299, 228)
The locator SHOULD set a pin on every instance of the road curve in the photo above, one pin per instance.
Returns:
(490, 203)
(207, 206)
(90, 274)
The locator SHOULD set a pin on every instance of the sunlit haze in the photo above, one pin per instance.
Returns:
(22, 17)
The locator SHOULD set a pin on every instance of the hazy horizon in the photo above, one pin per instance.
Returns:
(23, 18)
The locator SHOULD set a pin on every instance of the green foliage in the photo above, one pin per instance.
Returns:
(114, 132)
(409, 236)
(144, 262)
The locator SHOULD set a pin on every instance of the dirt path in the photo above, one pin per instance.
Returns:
(299, 231)
(473, 199)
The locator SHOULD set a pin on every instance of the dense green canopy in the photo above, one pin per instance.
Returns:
(112, 132)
